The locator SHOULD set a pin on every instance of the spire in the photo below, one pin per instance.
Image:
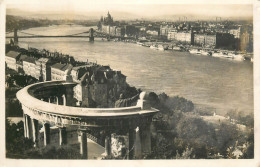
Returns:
(108, 15)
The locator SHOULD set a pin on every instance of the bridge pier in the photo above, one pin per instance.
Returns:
(15, 36)
(91, 35)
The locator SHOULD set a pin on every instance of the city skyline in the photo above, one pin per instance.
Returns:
(132, 11)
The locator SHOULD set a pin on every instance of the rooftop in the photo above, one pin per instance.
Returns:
(62, 67)
(80, 67)
(23, 57)
(13, 54)
(29, 59)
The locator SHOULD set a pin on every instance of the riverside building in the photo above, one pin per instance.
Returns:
(29, 67)
(11, 58)
(58, 71)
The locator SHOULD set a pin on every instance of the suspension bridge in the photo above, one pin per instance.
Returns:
(91, 34)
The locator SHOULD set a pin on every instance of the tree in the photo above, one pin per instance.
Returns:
(248, 150)
(179, 103)
(227, 135)
(16, 144)
(193, 128)
(13, 108)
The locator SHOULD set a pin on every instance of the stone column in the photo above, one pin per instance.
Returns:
(146, 138)
(131, 136)
(29, 127)
(49, 99)
(64, 100)
(57, 100)
(83, 143)
(63, 135)
(135, 151)
(25, 125)
(46, 128)
(35, 130)
(137, 147)
(108, 144)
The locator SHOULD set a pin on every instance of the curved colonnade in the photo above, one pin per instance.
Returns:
(48, 103)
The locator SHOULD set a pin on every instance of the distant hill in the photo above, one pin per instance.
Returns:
(117, 15)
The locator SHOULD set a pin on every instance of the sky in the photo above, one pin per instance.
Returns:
(139, 7)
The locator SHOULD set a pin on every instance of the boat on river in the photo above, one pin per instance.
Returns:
(228, 55)
(195, 51)
(177, 48)
(238, 57)
(146, 44)
(139, 43)
(217, 54)
(204, 53)
(162, 47)
(154, 47)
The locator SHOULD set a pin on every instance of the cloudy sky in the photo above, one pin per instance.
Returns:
(222, 8)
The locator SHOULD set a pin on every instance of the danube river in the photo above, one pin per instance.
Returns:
(213, 84)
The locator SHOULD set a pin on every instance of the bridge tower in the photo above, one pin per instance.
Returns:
(91, 35)
(15, 36)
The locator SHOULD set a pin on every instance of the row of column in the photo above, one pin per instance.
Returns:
(58, 100)
(31, 131)
(139, 139)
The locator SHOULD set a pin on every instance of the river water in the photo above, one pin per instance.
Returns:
(211, 83)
